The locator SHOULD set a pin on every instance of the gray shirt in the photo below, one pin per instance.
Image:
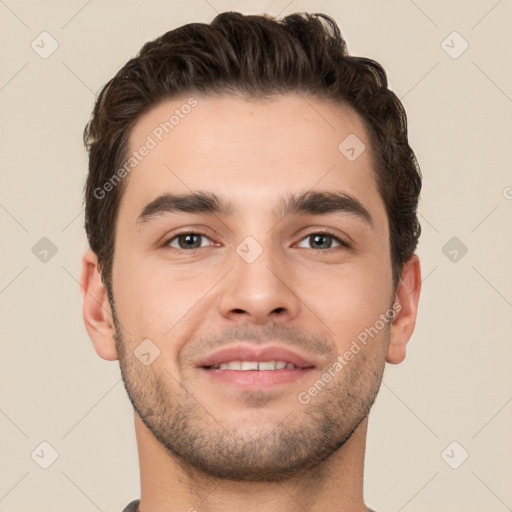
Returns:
(132, 507)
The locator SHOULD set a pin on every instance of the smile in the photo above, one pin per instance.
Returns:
(254, 365)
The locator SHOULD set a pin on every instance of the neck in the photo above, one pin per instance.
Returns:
(167, 485)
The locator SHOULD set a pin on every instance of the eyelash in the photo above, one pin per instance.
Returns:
(322, 232)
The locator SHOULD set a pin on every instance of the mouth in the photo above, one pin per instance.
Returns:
(256, 367)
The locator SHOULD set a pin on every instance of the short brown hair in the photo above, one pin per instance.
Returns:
(255, 56)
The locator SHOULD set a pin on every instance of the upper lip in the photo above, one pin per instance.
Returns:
(251, 353)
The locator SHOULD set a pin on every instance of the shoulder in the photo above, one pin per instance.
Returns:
(132, 506)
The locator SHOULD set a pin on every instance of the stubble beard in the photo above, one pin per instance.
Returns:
(300, 441)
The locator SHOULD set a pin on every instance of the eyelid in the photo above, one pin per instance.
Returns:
(197, 229)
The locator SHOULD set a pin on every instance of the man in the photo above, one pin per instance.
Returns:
(251, 211)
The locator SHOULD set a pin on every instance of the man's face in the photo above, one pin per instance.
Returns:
(252, 285)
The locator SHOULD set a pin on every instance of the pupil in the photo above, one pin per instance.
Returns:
(189, 240)
(319, 238)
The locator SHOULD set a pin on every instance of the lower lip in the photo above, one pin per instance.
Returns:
(250, 379)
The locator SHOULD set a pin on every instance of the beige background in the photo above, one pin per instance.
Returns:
(455, 384)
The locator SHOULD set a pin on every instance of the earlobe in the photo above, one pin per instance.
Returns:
(97, 313)
(407, 298)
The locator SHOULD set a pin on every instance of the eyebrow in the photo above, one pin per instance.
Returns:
(314, 203)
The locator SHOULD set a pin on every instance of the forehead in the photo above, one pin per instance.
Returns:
(249, 151)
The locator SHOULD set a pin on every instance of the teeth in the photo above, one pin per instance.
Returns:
(232, 365)
(254, 365)
(249, 365)
(267, 365)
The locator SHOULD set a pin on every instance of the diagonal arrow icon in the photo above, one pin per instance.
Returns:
(243, 249)
(146, 352)
(44, 455)
(453, 253)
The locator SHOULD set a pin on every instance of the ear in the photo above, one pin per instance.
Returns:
(96, 308)
(406, 307)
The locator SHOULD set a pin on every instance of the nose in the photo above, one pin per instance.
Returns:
(260, 291)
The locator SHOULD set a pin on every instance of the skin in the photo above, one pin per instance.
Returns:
(206, 445)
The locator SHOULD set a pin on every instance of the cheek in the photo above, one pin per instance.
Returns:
(139, 296)
(154, 298)
(350, 300)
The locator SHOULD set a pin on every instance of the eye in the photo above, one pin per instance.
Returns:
(318, 240)
(187, 241)
(323, 240)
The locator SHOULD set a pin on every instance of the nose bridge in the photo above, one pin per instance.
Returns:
(257, 288)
